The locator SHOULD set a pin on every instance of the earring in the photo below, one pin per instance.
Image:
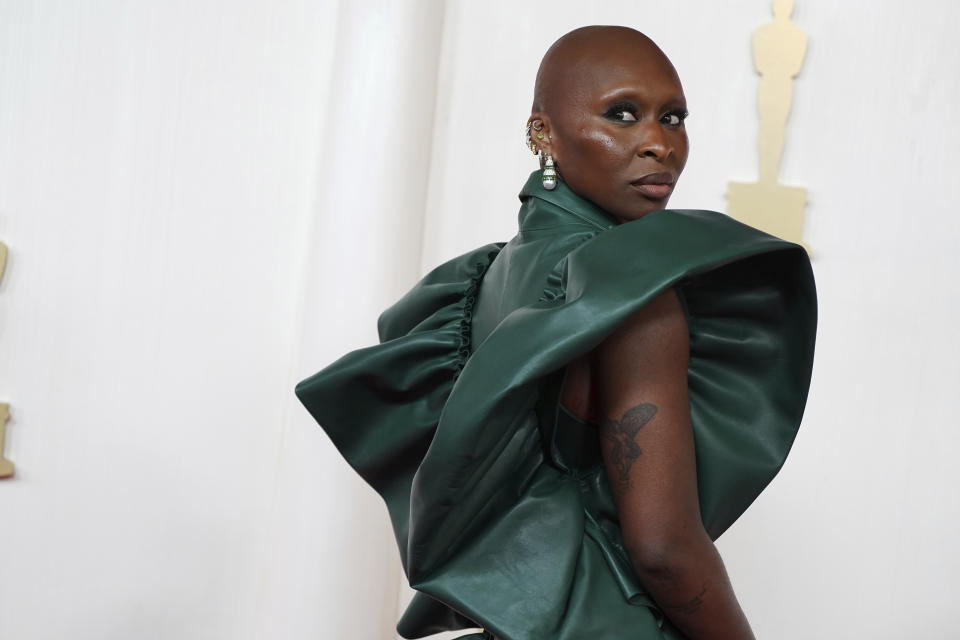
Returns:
(527, 140)
(549, 174)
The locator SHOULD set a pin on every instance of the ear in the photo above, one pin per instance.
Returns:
(540, 132)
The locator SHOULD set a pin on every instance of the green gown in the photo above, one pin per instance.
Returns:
(497, 495)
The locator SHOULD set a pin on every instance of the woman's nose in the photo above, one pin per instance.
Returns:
(654, 142)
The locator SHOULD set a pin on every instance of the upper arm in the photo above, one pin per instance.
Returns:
(639, 377)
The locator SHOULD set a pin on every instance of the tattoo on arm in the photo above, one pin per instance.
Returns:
(692, 605)
(621, 435)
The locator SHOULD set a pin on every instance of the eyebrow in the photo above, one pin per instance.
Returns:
(624, 92)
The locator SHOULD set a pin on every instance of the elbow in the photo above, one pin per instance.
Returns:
(667, 554)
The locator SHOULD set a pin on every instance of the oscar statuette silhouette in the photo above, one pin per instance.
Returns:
(778, 52)
(6, 467)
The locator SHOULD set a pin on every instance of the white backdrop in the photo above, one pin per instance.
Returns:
(206, 201)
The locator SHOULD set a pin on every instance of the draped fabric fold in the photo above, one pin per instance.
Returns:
(500, 506)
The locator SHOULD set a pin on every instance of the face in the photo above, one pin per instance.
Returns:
(617, 136)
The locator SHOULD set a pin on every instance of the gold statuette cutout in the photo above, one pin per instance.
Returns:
(778, 52)
(6, 467)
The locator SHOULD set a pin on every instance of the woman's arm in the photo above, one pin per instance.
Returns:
(639, 379)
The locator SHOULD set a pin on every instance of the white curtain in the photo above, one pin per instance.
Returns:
(206, 201)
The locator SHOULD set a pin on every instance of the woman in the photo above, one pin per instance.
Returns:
(686, 337)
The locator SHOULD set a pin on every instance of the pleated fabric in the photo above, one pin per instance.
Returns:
(499, 502)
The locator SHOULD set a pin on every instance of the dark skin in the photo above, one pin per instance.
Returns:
(610, 107)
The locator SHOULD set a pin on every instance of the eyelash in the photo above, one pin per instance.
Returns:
(627, 107)
(681, 115)
(621, 107)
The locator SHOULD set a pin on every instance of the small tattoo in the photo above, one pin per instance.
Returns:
(621, 435)
(692, 605)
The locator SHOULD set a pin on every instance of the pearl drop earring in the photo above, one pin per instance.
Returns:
(549, 174)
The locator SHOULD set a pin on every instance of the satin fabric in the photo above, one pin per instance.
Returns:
(500, 506)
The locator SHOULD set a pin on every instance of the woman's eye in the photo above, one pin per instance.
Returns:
(622, 112)
(674, 118)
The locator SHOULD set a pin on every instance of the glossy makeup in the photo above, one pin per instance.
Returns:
(614, 120)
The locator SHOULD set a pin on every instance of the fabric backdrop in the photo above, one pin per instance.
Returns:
(206, 201)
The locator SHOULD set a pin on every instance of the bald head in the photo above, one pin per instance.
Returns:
(572, 60)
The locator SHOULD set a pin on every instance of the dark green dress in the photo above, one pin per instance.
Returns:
(497, 495)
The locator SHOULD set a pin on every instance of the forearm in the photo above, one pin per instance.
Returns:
(691, 586)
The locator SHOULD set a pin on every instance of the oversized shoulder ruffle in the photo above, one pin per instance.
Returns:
(492, 528)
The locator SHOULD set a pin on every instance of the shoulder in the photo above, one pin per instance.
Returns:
(649, 349)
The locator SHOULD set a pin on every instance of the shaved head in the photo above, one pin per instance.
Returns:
(573, 59)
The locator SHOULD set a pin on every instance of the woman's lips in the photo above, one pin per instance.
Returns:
(656, 186)
(653, 191)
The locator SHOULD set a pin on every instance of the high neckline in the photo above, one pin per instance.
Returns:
(569, 208)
